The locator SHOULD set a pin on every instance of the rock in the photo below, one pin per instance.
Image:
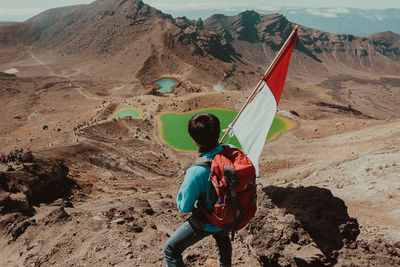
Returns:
(32, 246)
(45, 127)
(301, 226)
(133, 227)
(126, 244)
(27, 157)
(211, 263)
(41, 181)
(10, 168)
(55, 216)
(97, 218)
(143, 206)
(58, 202)
(350, 230)
(18, 202)
(20, 228)
(118, 221)
(293, 112)
(67, 204)
(308, 255)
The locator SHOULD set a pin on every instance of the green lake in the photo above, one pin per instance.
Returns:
(174, 127)
(166, 85)
(128, 112)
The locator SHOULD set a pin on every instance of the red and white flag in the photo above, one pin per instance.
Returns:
(252, 126)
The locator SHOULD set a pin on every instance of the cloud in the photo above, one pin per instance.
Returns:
(375, 18)
(322, 13)
(337, 10)
(218, 5)
(327, 12)
(267, 8)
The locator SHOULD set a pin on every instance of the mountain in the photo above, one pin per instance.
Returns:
(130, 40)
(258, 37)
(129, 33)
(353, 21)
(124, 30)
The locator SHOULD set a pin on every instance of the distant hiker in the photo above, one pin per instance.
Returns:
(219, 190)
(18, 158)
(10, 157)
(3, 158)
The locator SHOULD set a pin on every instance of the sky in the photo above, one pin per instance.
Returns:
(20, 10)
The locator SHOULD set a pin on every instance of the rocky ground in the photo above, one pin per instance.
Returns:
(101, 191)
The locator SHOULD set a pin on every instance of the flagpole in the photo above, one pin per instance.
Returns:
(259, 83)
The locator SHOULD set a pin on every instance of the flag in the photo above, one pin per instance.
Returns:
(252, 126)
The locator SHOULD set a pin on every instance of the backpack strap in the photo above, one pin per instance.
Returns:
(225, 146)
(201, 203)
(202, 161)
(198, 215)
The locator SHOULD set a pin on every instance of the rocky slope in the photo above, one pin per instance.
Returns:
(257, 38)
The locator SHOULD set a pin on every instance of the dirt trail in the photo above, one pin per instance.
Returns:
(40, 62)
(52, 73)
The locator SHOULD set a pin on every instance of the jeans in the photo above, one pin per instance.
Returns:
(186, 235)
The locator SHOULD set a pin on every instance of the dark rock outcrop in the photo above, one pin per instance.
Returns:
(308, 226)
(55, 216)
(303, 226)
(28, 157)
(43, 181)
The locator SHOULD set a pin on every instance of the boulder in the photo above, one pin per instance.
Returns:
(303, 226)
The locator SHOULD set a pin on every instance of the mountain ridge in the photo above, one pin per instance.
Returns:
(226, 49)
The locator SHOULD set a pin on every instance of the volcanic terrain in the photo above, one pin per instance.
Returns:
(100, 191)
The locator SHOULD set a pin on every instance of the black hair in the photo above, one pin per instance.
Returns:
(204, 128)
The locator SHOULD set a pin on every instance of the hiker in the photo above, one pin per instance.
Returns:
(10, 157)
(204, 128)
(3, 158)
(19, 157)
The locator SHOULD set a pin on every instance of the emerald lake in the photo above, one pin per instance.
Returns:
(166, 85)
(127, 112)
(174, 127)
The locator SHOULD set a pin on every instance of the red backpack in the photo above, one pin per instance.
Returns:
(233, 178)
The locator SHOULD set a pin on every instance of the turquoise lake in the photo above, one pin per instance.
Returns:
(166, 85)
(127, 112)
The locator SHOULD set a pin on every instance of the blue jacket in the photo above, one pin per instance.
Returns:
(195, 183)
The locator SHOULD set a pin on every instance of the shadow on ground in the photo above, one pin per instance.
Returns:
(303, 226)
(321, 214)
